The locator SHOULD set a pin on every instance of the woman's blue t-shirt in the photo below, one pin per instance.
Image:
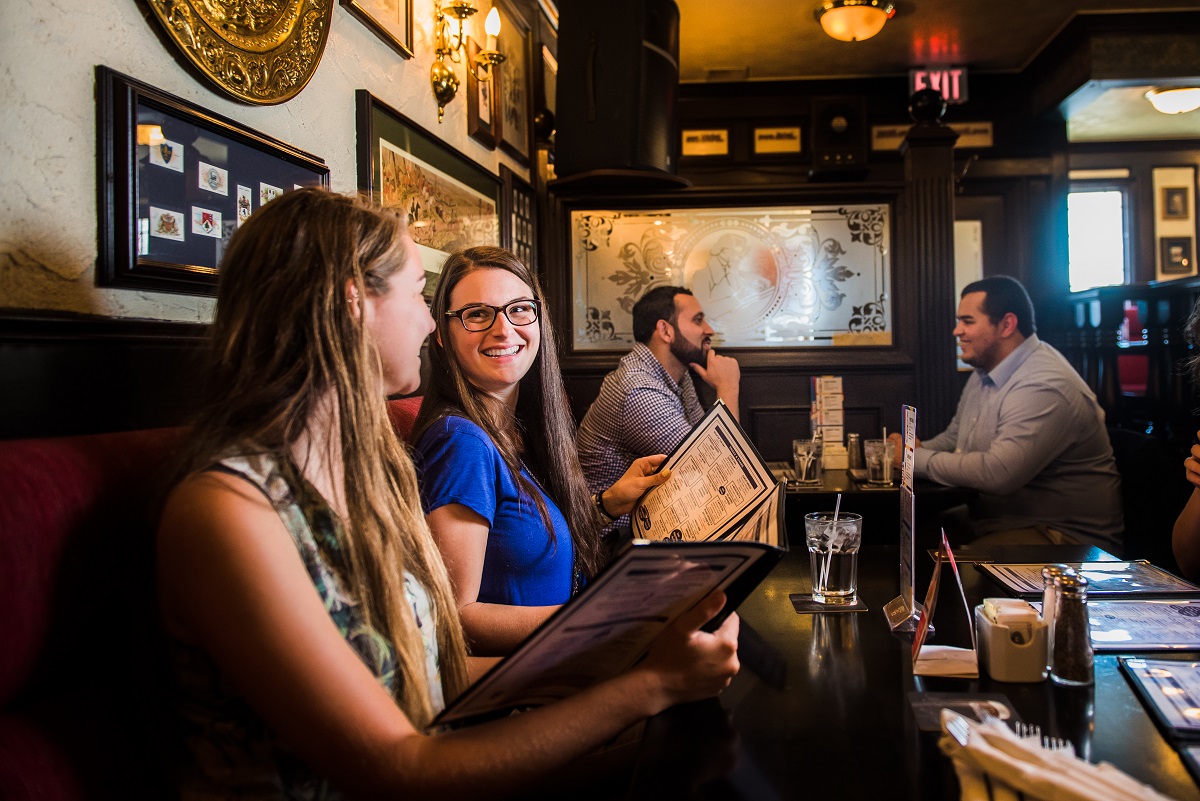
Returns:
(523, 566)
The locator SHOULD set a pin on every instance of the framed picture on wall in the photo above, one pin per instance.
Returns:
(391, 20)
(1176, 255)
(545, 73)
(1175, 221)
(1175, 203)
(514, 107)
(481, 102)
(768, 276)
(518, 216)
(175, 182)
(451, 202)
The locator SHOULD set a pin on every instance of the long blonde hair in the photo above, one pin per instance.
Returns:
(284, 342)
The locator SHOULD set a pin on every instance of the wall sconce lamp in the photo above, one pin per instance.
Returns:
(450, 41)
(854, 20)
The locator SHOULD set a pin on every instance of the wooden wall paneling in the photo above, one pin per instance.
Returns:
(72, 374)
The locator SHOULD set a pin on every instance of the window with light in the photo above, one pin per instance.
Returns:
(1096, 238)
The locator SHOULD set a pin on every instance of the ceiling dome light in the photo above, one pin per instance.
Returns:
(1175, 99)
(854, 20)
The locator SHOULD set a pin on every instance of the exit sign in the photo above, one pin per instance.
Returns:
(951, 82)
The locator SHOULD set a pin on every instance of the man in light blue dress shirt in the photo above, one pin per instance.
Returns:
(1028, 433)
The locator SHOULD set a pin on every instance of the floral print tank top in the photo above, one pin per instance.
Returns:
(231, 754)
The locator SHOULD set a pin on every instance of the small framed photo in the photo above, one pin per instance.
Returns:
(1175, 203)
(175, 182)
(391, 21)
(481, 103)
(1176, 255)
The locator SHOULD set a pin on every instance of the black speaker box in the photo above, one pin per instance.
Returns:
(618, 86)
(839, 133)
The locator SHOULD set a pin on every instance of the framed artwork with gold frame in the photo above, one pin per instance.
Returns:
(452, 203)
(391, 21)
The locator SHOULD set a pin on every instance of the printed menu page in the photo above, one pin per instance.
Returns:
(1144, 625)
(1104, 578)
(718, 478)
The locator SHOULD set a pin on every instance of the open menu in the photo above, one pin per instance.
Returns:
(1170, 688)
(1145, 625)
(725, 531)
(718, 481)
(1104, 579)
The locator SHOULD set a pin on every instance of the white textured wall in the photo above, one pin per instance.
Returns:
(48, 51)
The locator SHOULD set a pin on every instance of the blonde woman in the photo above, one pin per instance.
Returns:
(313, 628)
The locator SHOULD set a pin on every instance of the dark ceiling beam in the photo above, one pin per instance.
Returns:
(1099, 51)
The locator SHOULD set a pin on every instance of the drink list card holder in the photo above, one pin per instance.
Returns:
(943, 660)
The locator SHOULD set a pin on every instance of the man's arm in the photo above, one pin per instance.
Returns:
(1028, 437)
(724, 375)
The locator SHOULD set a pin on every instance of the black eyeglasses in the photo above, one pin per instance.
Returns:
(481, 317)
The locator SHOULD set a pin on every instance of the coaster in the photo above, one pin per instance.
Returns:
(805, 605)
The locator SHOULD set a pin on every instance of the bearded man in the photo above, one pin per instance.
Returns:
(648, 404)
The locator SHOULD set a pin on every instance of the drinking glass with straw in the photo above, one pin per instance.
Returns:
(833, 541)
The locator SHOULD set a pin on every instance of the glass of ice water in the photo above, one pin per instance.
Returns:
(833, 555)
(879, 455)
(806, 460)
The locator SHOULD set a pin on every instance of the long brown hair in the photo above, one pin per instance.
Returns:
(541, 433)
(284, 342)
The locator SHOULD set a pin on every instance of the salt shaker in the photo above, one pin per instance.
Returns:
(1072, 663)
(1049, 573)
(854, 451)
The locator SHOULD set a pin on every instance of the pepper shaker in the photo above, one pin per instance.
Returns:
(1072, 663)
(854, 452)
(1049, 573)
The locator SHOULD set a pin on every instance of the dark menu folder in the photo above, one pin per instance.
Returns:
(607, 628)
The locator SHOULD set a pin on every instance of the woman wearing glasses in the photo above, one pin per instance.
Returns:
(495, 441)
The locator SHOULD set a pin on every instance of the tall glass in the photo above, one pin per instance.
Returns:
(879, 454)
(806, 459)
(833, 556)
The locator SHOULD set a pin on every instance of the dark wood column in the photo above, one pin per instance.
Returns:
(925, 278)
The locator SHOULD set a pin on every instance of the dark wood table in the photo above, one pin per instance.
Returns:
(820, 708)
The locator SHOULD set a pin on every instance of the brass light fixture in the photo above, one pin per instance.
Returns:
(450, 42)
(854, 20)
(1175, 99)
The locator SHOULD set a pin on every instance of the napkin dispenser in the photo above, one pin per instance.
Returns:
(1012, 640)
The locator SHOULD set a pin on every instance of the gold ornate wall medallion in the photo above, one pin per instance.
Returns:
(259, 51)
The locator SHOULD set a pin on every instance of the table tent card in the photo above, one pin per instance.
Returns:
(716, 523)
(943, 660)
